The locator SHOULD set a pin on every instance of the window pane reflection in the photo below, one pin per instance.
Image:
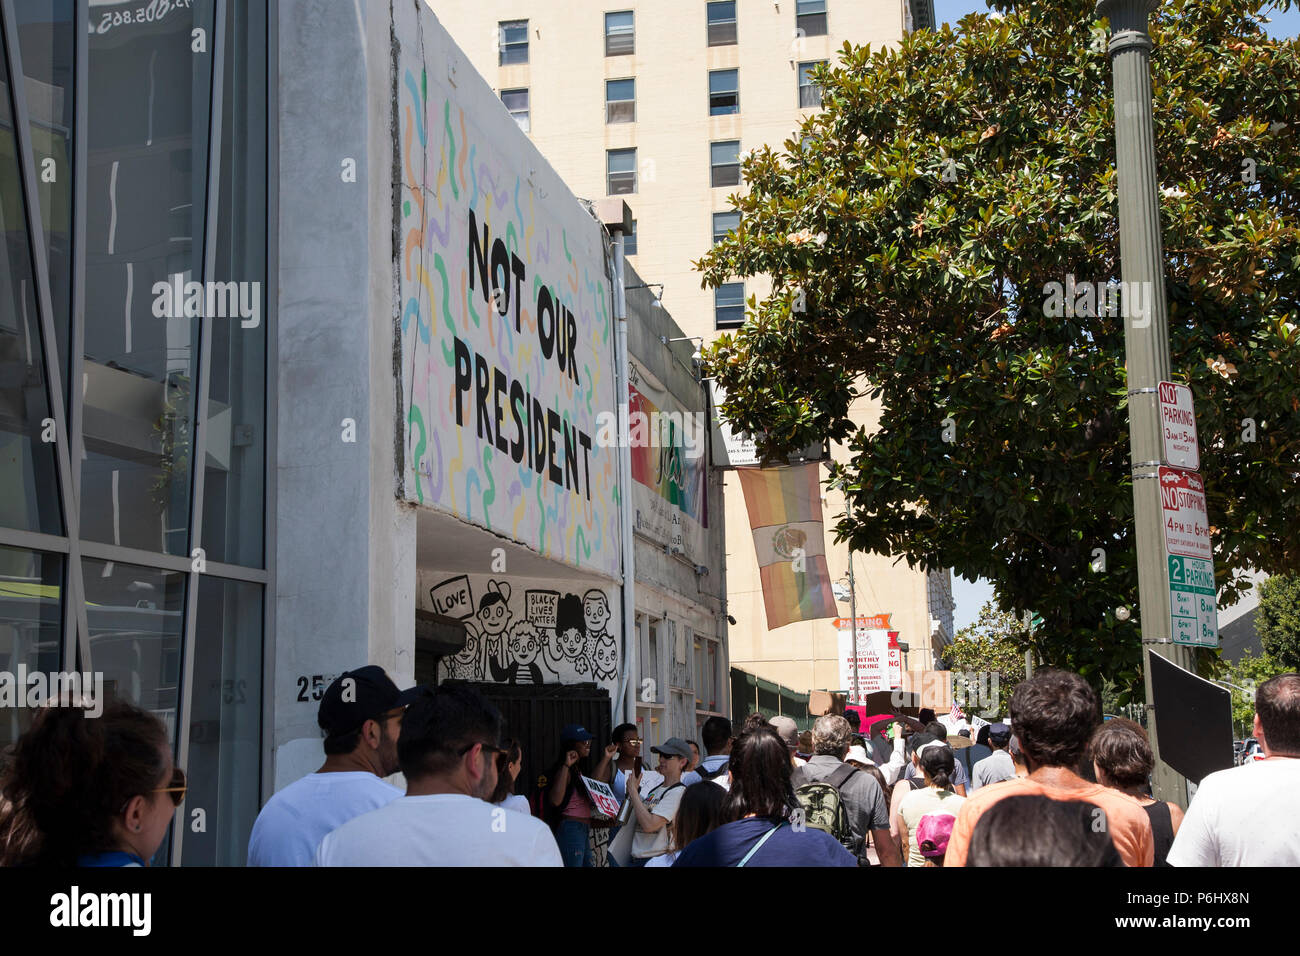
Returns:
(233, 486)
(225, 759)
(147, 169)
(135, 617)
(47, 45)
(31, 585)
(27, 471)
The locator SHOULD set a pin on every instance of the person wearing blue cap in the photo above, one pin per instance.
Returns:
(998, 766)
(360, 716)
(568, 808)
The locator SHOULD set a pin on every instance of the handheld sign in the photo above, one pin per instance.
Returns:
(602, 796)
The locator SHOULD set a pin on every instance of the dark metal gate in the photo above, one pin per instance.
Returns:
(535, 715)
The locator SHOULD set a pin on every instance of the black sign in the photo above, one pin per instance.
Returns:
(1194, 720)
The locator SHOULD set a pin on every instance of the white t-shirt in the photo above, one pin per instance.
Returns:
(295, 820)
(916, 805)
(1246, 816)
(443, 829)
(517, 803)
(662, 802)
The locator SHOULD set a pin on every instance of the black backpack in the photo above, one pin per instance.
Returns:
(711, 774)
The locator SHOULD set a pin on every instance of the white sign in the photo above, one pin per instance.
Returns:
(1178, 426)
(1186, 520)
(602, 796)
(872, 662)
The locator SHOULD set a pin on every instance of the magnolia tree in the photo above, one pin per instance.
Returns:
(942, 237)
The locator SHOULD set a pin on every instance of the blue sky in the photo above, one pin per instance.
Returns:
(950, 11)
(970, 596)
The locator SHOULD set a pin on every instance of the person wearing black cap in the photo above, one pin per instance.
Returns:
(998, 766)
(450, 740)
(361, 715)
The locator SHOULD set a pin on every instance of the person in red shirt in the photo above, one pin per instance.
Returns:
(1053, 715)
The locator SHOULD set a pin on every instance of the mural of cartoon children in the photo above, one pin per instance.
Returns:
(467, 663)
(569, 641)
(525, 644)
(494, 619)
(606, 659)
(595, 614)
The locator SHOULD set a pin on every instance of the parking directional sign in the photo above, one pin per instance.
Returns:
(1178, 427)
(1193, 609)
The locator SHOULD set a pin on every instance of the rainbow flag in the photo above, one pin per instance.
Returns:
(785, 513)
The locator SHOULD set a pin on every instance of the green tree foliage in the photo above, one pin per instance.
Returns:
(1278, 620)
(910, 231)
(994, 645)
(1247, 674)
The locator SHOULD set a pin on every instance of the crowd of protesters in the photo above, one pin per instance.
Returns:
(1055, 786)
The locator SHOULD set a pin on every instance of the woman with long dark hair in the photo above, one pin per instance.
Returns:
(567, 805)
(937, 764)
(85, 791)
(761, 823)
(698, 814)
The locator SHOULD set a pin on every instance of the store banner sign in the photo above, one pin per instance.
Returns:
(669, 467)
(876, 655)
(506, 342)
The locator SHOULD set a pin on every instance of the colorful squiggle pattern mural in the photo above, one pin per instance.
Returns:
(505, 326)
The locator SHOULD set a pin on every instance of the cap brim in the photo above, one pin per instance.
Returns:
(409, 696)
(669, 753)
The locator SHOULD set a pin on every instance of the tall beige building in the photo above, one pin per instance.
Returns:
(654, 102)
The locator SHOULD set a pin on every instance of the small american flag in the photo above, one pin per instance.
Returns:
(955, 712)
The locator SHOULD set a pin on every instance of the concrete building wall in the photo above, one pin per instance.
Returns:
(344, 551)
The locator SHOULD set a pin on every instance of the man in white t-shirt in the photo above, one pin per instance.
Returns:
(1246, 816)
(447, 750)
(360, 713)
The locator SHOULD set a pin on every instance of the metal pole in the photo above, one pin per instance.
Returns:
(853, 612)
(1146, 339)
(631, 637)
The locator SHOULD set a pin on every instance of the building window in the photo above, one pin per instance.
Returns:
(723, 223)
(729, 305)
(722, 23)
(620, 33)
(620, 167)
(517, 103)
(706, 674)
(725, 161)
(810, 94)
(512, 41)
(810, 18)
(724, 92)
(620, 101)
(629, 241)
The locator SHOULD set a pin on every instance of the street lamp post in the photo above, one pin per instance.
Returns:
(1146, 339)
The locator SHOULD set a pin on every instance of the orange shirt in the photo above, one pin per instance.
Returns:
(1130, 828)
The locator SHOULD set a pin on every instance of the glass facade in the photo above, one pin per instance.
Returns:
(133, 375)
